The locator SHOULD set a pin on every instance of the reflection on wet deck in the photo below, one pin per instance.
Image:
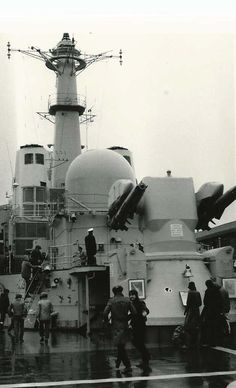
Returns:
(71, 360)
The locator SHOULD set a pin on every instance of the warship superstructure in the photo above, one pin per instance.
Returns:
(145, 231)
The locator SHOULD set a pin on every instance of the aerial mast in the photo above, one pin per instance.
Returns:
(66, 105)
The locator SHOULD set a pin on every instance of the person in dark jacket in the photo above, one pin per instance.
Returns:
(18, 311)
(119, 307)
(26, 270)
(138, 324)
(211, 314)
(4, 304)
(36, 256)
(36, 261)
(45, 309)
(225, 325)
(91, 247)
(192, 316)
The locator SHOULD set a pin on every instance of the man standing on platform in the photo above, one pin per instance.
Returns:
(91, 247)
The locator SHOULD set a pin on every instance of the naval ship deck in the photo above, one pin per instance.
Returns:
(71, 360)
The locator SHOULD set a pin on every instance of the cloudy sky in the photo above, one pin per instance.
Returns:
(172, 102)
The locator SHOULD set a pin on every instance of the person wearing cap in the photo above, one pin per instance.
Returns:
(45, 309)
(91, 247)
(120, 307)
(18, 311)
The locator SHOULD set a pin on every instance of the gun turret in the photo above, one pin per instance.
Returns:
(125, 208)
(212, 203)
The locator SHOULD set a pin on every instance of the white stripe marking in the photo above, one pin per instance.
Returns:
(115, 380)
(227, 350)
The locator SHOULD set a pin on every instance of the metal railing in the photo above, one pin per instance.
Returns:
(70, 99)
(36, 209)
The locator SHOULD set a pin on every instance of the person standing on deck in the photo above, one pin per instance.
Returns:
(119, 307)
(18, 311)
(36, 261)
(26, 270)
(138, 324)
(192, 316)
(45, 309)
(4, 304)
(211, 314)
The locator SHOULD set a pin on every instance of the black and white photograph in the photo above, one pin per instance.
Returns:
(118, 194)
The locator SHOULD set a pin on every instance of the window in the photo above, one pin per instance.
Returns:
(39, 158)
(31, 230)
(40, 194)
(29, 158)
(28, 194)
(22, 245)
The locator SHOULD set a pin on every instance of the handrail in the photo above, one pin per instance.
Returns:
(70, 99)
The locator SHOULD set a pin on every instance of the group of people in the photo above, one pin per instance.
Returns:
(33, 264)
(127, 316)
(17, 311)
(210, 326)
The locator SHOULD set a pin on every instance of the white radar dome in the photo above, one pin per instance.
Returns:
(91, 175)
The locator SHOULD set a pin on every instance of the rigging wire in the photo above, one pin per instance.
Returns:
(10, 162)
(30, 97)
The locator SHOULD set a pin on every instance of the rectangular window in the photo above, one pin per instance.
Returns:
(29, 158)
(20, 230)
(22, 245)
(42, 230)
(40, 194)
(28, 194)
(31, 230)
(39, 158)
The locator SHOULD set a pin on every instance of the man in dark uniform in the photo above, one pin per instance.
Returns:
(4, 304)
(91, 247)
(36, 256)
(120, 309)
(211, 314)
(36, 261)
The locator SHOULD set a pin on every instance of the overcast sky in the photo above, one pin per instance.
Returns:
(172, 102)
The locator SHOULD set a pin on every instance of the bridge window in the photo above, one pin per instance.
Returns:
(28, 194)
(39, 158)
(29, 158)
(40, 194)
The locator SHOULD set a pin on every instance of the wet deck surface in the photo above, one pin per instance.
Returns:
(70, 360)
